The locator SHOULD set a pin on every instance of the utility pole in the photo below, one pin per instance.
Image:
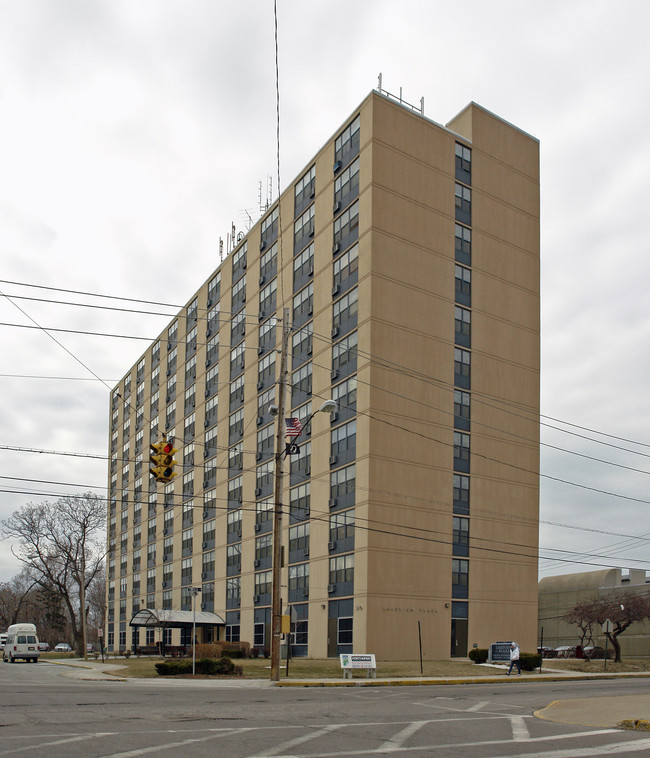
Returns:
(276, 610)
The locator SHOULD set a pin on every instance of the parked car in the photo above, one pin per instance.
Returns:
(597, 652)
(90, 648)
(63, 647)
(44, 646)
(547, 652)
(566, 651)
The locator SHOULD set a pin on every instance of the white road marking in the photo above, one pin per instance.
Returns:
(312, 735)
(397, 740)
(520, 731)
(584, 752)
(81, 738)
(168, 745)
(477, 706)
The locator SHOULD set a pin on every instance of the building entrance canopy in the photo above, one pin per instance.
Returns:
(175, 619)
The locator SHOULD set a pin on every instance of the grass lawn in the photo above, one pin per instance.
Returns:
(596, 666)
(303, 668)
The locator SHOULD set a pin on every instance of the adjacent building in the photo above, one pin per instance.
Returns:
(558, 595)
(404, 260)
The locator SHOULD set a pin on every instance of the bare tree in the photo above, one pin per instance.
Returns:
(62, 544)
(622, 608)
(13, 598)
(583, 621)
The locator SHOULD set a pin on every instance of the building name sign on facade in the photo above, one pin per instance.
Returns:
(499, 652)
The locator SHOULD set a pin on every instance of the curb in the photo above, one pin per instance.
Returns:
(430, 682)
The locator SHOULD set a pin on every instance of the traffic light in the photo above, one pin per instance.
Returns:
(163, 460)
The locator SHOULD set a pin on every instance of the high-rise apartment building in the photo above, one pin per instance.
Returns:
(406, 254)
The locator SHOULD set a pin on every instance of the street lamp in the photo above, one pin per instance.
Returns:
(329, 406)
(194, 591)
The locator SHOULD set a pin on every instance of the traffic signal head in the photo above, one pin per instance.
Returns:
(163, 459)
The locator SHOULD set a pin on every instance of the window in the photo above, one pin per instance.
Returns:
(190, 340)
(189, 426)
(233, 591)
(209, 532)
(214, 289)
(264, 512)
(210, 442)
(462, 409)
(462, 326)
(264, 478)
(304, 190)
(460, 539)
(269, 229)
(188, 542)
(342, 571)
(299, 498)
(346, 186)
(344, 442)
(236, 392)
(237, 360)
(234, 525)
(212, 320)
(212, 349)
(264, 402)
(267, 335)
(268, 299)
(298, 541)
(463, 244)
(190, 371)
(266, 371)
(462, 368)
(459, 578)
(263, 582)
(463, 285)
(303, 229)
(342, 531)
(234, 491)
(346, 145)
(298, 582)
(268, 263)
(212, 380)
(233, 559)
(265, 442)
(211, 410)
(238, 294)
(186, 571)
(236, 426)
(264, 550)
(301, 464)
(344, 313)
(239, 262)
(301, 384)
(342, 487)
(463, 163)
(237, 327)
(301, 345)
(235, 459)
(461, 494)
(461, 451)
(463, 203)
(346, 270)
(303, 267)
(303, 305)
(346, 228)
(344, 356)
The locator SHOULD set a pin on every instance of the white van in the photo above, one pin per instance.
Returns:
(22, 642)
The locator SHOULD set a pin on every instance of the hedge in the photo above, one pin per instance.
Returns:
(478, 655)
(206, 666)
(530, 661)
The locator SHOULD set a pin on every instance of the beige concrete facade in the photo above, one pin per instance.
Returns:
(415, 284)
(559, 594)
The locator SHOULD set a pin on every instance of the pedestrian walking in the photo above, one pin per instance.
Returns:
(514, 658)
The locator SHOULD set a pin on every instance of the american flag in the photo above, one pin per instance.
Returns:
(293, 427)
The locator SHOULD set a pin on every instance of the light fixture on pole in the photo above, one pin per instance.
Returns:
(194, 591)
(281, 451)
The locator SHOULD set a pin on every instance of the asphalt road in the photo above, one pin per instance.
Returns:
(46, 714)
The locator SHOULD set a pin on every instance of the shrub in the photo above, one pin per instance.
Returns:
(206, 666)
(530, 661)
(478, 655)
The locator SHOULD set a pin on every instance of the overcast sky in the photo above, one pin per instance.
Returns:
(134, 132)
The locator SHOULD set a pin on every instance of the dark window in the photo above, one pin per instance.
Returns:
(462, 326)
(462, 368)
(345, 395)
(346, 270)
(463, 285)
(303, 267)
(342, 487)
(346, 145)
(459, 578)
(462, 410)
(460, 536)
(303, 305)
(463, 163)
(463, 243)
(463, 204)
(346, 228)
(238, 263)
(303, 229)
(344, 444)
(346, 186)
(345, 313)
(269, 229)
(461, 494)
(461, 452)
(344, 357)
(304, 191)
(269, 263)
